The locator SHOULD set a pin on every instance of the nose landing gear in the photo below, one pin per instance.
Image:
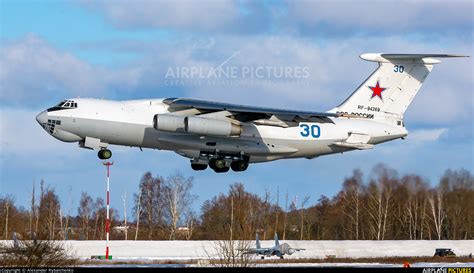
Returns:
(104, 154)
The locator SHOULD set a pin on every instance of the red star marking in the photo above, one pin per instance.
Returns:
(377, 91)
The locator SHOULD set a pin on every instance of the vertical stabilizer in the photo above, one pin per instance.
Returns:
(277, 243)
(390, 89)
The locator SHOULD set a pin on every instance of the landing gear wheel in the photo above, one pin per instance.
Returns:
(218, 165)
(198, 167)
(239, 165)
(223, 170)
(104, 154)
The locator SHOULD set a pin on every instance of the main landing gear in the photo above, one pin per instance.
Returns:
(104, 154)
(219, 165)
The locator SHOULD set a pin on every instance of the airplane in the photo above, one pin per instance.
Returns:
(276, 250)
(227, 136)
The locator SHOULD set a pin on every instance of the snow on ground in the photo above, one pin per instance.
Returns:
(192, 250)
(437, 265)
(364, 265)
(183, 250)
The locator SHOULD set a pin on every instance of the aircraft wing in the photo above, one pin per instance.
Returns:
(250, 112)
(298, 249)
(260, 251)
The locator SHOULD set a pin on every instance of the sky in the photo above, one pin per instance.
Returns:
(52, 50)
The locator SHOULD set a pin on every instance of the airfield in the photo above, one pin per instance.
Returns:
(198, 253)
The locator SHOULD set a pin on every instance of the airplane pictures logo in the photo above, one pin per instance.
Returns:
(377, 91)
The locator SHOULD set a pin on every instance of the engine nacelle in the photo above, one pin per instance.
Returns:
(210, 127)
(168, 123)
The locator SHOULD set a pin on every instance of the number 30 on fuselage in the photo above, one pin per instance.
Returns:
(308, 130)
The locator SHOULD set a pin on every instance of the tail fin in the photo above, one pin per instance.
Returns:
(277, 243)
(390, 89)
(257, 243)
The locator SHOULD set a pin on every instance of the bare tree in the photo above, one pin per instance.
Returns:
(84, 211)
(351, 194)
(277, 210)
(303, 204)
(124, 200)
(98, 213)
(66, 226)
(36, 254)
(150, 202)
(7, 208)
(266, 211)
(379, 199)
(230, 253)
(7, 204)
(32, 208)
(437, 212)
(138, 212)
(177, 199)
(49, 213)
(374, 209)
(37, 212)
(190, 224)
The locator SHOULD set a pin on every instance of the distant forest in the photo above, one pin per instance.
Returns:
(385, 206)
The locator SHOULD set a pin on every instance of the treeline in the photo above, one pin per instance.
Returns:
(384, 206)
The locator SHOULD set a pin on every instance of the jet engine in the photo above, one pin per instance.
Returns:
(168, 123)
(195, 125)
(210, 126)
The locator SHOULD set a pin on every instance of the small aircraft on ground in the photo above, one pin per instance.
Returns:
(276, 250)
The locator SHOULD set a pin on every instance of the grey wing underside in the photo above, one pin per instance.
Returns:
(259, 251)
(248, 113)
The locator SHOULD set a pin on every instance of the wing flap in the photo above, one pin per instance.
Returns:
(181, 103)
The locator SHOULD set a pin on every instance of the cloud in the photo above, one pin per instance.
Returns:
(35, 72)
(306, 17)
(334, 67)
(32, 70)
(206, 15)
(422, 135)
(383, 17)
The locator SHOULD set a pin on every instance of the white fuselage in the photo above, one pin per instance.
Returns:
(130, 123)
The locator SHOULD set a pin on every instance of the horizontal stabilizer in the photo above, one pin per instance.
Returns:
(418, 56)
(356, 140)
(359, 146)
(411, 58)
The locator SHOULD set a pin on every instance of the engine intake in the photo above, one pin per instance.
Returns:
(210, 126)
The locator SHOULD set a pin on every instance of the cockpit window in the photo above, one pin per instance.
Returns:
(63, 105)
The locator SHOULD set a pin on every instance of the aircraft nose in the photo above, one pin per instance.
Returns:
(42, 118)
